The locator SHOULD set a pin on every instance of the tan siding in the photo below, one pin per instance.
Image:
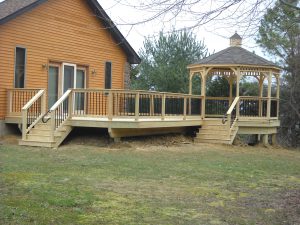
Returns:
(59, 30)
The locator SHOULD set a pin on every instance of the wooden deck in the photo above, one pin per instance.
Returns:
(132, 113)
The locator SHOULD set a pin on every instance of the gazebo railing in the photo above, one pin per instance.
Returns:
(258, 106)
(216, 106)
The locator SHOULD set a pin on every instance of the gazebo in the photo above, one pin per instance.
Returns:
(234, 63)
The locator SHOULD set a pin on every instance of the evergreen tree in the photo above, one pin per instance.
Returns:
(165, 60)
(279, 35)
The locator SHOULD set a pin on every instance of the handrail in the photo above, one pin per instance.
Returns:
(33, 100)
(59, 101)
(32, 112)
(227, 115)
(233, 105)
(136, 91)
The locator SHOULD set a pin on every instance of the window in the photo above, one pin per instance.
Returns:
(108, 75)
(20, 67)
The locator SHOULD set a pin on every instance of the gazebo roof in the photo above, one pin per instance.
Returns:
(235, 56)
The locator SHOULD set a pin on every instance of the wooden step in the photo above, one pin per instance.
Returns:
(212, 141)
(210, 136)
(46, 144)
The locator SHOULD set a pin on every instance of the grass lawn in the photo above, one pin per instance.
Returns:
(140, 184)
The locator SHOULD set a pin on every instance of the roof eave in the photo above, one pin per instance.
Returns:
(21, 11)
(132, 56)
(192, 66)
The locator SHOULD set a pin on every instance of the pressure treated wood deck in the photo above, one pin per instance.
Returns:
(134, 113)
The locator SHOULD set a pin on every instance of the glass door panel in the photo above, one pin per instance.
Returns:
(80, 83)
(68, 77)
(52, 85)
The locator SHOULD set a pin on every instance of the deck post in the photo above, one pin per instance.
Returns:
(70, 105)
(269, 95)
(43, 104)
(163, 107)
(24, 124)
(110, 105)
(137, 106)
(151, 105)
(203, 93)
(52, 121)
(184, 108)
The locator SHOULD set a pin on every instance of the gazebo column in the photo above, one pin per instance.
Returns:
(274, 136)
(230, 90)
(269, 95)
(238, 78)
(191, 83)
(260, 94)
(203, 93)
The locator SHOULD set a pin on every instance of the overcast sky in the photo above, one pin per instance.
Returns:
(215, 36)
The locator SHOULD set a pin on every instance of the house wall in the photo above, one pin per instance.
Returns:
(60, 31)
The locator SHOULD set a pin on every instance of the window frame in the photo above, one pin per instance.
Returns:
(25, 65)
(111, 72)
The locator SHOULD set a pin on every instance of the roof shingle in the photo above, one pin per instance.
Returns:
(235, 55)
(9, 7)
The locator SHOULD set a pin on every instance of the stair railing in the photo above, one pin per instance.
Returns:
(61, 111)
(232, 112)
(33, 112)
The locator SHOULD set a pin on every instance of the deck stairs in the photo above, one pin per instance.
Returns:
(215, 132)
(41, 136)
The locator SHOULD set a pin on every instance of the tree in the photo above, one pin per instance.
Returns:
(165, 60)
(279, 35)
(242, 14)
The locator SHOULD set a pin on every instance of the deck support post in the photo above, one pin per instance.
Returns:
(137, 106)
(203, 93)
(274, 139)
(265, 139)
(269, 95)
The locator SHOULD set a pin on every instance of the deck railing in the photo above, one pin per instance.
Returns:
(17, 98)
(134, 104)
(32, 112)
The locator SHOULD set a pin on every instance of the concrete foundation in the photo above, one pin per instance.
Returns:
(7, 129)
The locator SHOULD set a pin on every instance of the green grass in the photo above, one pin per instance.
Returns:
(187, 184)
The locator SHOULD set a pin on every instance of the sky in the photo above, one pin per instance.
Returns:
(215, 34)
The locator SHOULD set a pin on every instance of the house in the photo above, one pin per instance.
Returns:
(59, 44)
(64, 64)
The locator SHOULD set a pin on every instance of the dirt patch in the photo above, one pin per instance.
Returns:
(12, 139)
